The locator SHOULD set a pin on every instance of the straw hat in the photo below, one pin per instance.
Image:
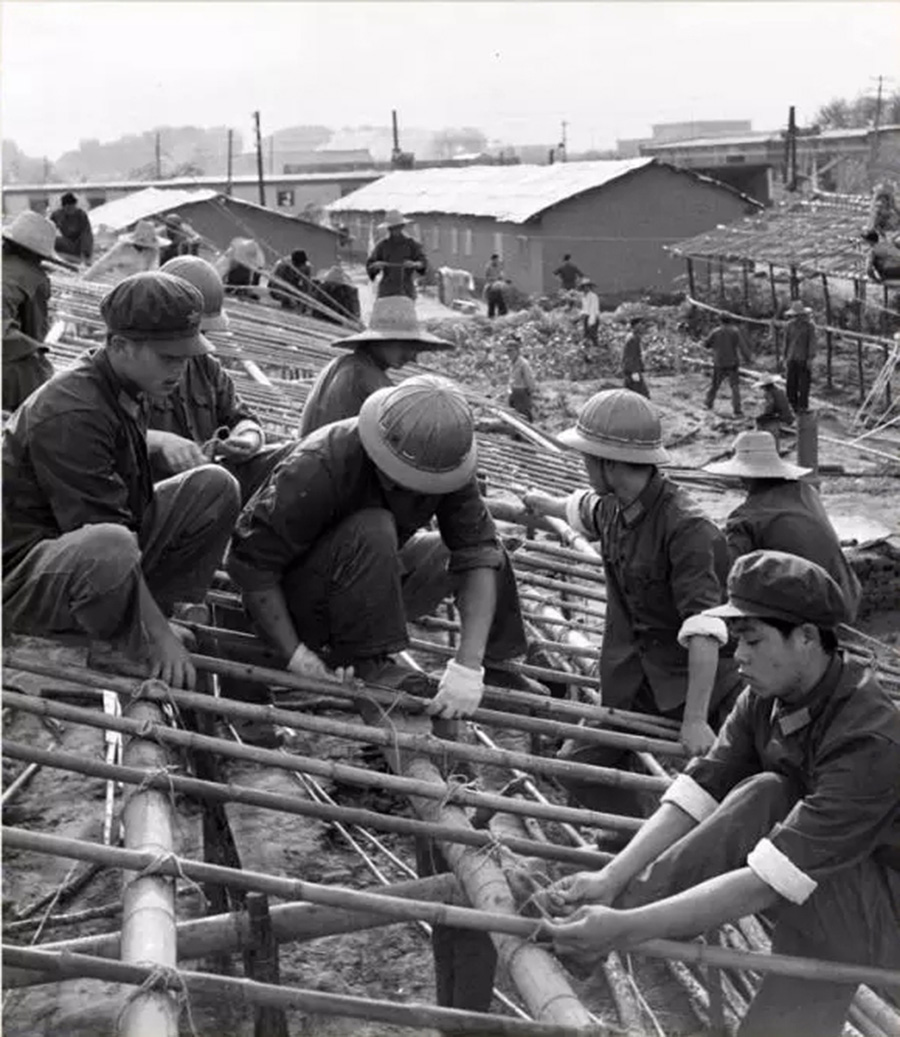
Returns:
(756, 457)
(420, 434)
(394, 218)
(31, 231)
(768, 380)
(144, 236)
(618, 425)
(335, 275)
(797, 308)
(393, 319)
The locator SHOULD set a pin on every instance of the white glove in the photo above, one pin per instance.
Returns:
(306, 663)
(635, 377)
(459, 692)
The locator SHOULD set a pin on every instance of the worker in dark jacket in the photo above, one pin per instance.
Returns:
(393, 339)
(728, 349)
(665, 563)
(90, 545)
(28, 242)
(781, 512)
(776, 410)
(204, 419)
(568, 273)
(76, 237)
(183, 239)
(295, 272)
(799, 353)
(398, 258)
(633, 360)
(794, 811)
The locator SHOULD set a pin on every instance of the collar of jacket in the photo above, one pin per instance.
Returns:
(129, 401)
(632, 513)
(794, 716)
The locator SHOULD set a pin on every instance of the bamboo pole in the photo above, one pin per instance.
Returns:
(232, 793)
(148, 901)
(409, 910)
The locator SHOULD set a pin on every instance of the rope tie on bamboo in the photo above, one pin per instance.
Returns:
(157, 867)
(144, 689)
(385, 716)
(149, 782)
(457, 783)
(165, 979)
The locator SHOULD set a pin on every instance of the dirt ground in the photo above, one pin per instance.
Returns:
(393, 962)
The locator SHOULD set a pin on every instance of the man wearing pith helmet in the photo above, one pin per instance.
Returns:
(665, 564)
(794, 811)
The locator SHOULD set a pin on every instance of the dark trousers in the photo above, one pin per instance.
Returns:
(797, 380)
(852, 917)
(520, 400)
(719, 375)
(21, 377)
(351, 596)
(250, 473)
(496, 303)
(590, 332)
(636, 383)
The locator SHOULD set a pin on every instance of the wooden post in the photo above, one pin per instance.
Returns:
(774, 316)
(692, 284)
(261, 959)
(148, 910)
(709, 266)
(795, 284)
(829, 338)
(722, 281)
(885, 302)
(746, 278)
(860, 304)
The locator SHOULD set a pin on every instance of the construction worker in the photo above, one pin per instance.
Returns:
(183, 239)
(633, 360)
(398, 258)
(393, 339)
(28, 242)
(776, 409)
(799, 353)
(782, 512)
(332, 560)
(794, 811)
(729, 348)
(665, 563)
(76, 237)
(522, 383)
(590, 312)
(569, 274)
(204, 419)
(90, 545)
(294, 271)
(133, 253)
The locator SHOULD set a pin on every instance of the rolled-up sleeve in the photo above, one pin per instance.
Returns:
(468, 530)
(283, 521)
(854, 801)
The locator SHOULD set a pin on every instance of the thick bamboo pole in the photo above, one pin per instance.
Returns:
(231, 793)
(441, 914)
(415, 1016)
(227, 933)
(148, 901)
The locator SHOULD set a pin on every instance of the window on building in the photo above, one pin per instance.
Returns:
(454, 240)
(524, 251)
(284, 198)
(436, 237)
(467, 241)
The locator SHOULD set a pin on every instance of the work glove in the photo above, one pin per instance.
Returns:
(459, 692)
(306, 663)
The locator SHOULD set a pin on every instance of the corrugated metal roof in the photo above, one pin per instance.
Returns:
(152, 201)
(511, 194)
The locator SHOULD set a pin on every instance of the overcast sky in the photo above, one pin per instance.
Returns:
(98, 70)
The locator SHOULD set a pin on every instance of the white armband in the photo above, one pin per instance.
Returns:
(693, 799)
(573, 512)
(703, 626)
(249, 425)
(768, 863)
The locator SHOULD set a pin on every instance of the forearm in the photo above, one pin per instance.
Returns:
(155, 622)
(660, 831)
(477, 602)
(268, 610)
(703, 660)
(700, 908)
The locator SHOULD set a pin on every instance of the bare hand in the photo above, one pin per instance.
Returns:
(242, 446)
(538, 502)
(306, 663)
(171, 662)
(591, 931)
(696, 736)
(410, 264)
(178, 453)
(584, 887)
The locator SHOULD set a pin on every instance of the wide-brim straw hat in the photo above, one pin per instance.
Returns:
(420, 434)
(797, 308)
(37, 234)
(394, 218)
(618, 425)
(393, 319)
(144, 235)
(756, 457)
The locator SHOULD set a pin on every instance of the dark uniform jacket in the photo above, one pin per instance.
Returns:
(665, 562)
(76, 238)
(787, 515)
(341, 388)
(394, 279)
(840, 749)
(799, 341)
(26, 297)
(728, 346)
(74, 454)
(632, 361)
(205, 401)
(329, 477)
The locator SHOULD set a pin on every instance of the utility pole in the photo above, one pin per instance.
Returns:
(790, 171)
(230, 163)
(562, 143)
(158, 156)
(876, 125)
(259, 161)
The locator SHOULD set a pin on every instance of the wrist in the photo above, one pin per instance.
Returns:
(470, 661)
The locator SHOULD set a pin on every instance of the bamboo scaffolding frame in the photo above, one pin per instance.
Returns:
(460, 917)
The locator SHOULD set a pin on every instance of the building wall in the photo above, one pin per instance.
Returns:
(616, 233)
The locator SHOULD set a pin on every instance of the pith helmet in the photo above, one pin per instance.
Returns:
(205, 278)
(618, 425)
(420, 434)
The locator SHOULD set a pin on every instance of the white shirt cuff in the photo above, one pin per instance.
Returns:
(573, 512)
(702, 625)
(246, 425)
(768, 863)
(693, 799)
